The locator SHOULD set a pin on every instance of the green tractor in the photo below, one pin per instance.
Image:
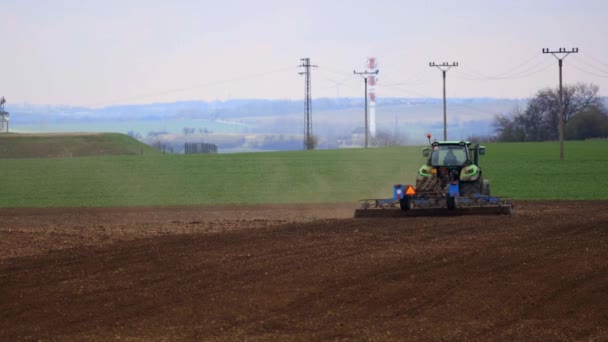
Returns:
(450, 183)
(452, 169)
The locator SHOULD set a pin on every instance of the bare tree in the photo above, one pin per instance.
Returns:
(311, 142)
(509, 127)
(544, 107)
(590, 123)
(160, 145)
(540, 119)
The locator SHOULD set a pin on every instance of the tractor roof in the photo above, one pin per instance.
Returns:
(452, 142)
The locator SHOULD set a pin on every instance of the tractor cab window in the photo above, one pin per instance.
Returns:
(448, 155)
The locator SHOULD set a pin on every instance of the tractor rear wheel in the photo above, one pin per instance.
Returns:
(476, 187)
(469, 188)
(486, 188)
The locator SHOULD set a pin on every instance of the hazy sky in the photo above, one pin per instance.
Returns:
(98, 53)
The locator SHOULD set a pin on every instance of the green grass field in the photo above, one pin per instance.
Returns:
(70, 145)
(519, 171)
(534, 171)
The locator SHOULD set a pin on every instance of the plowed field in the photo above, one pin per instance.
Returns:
(304, 272)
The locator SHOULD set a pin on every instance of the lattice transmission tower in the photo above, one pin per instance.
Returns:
(309, 140)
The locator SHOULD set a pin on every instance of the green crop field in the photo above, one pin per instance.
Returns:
(64, 145)
(534, 171)
(519, 171)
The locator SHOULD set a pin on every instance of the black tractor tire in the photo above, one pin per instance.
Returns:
(467, 188)
(470, 188)
(486, 188)
(450, 201)
(405, 203)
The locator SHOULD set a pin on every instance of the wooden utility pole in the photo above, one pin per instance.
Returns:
(563, 53)
(444, 67)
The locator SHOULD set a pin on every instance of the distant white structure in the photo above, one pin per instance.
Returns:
(372, 67)
(3, 117)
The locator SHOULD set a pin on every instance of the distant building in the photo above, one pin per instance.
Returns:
(198, 148)
(3, 117)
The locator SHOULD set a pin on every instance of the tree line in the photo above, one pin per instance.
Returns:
(585, 116)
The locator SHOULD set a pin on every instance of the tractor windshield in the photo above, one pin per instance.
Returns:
(448, 155)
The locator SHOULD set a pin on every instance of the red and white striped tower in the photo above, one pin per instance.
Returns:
(372, 67)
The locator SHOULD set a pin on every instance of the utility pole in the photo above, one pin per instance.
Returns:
(444, 67)
(365, 74)
(308, 136)
(561, 54)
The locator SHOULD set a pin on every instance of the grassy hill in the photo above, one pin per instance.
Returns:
(518, 170)
(62, 145)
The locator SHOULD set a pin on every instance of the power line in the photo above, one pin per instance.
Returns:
(523, 74)
(517, 67)
(455, 104)
(334, 70)
(405, 90)
(334, 79)
(506, 74)
(337, 85)
(444, 67)
(198, 86)
(599, 61)
(588, 72)
(344, 81)
(594, 67)
(308, 137)
(412, 81)
(532, 70)
(561, 54)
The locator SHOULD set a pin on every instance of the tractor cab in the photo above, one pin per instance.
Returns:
(448, 155)
(452, 154)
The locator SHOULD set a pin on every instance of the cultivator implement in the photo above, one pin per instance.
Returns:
(449, 183)
(406, 202)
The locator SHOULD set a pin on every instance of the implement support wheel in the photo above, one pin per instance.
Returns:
(405, 204)
(450, 201)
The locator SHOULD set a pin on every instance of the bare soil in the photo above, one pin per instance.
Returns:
(303, 272)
